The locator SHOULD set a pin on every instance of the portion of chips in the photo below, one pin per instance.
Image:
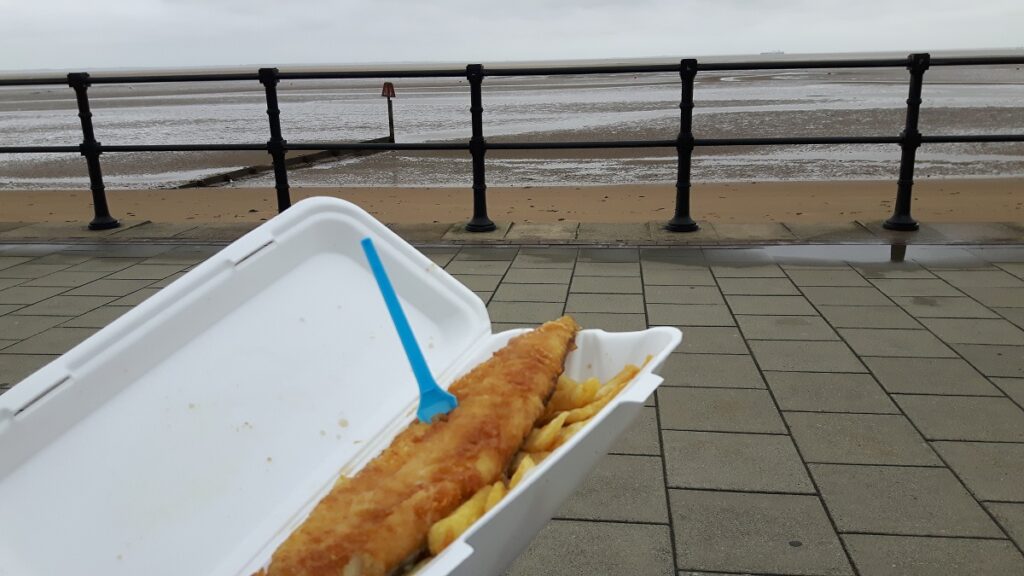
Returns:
(571, 407)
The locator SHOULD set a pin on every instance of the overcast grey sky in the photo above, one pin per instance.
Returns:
(89, 34)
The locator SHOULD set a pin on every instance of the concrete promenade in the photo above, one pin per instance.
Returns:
(839, 405)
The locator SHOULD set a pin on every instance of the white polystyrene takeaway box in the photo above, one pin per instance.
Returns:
(194, 433)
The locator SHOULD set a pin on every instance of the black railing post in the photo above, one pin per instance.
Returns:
(277, 145)
(91, 149)
(477, 148)
(682, 221)
(910, 141)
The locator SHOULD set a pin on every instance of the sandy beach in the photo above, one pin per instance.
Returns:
(965, 200)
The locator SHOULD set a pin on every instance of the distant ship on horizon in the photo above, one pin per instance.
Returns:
(772, 53)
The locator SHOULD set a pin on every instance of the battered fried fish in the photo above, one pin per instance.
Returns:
(371, 524)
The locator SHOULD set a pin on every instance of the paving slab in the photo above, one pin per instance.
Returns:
(542, 231)
(107, 287)
(1005, 361)
(998, 297)
(749, 270)
(606, 285)
(621, 488)
(1014, 315)
(964, 417)
(52, 341)
(529, 312)
(147, 272)
(915, 287)
(845, 296)
(683, 295)
(712, 340)
(831, 233)
(785, 328)
(950, 376)
(9, 261)
(609, 254)
(711, 370)
(900, 500)
(677, 275)
(611, 322)
(15, 367)
(641, 549)
(7, 308)
(920, 556)
(1012, 387)
(488, 253)
(64, 278)
(991, 471)
(538, 276)
(980, 278)
(65, 306)
(531, 292)
(673, 255)
(28, 294)
(9, 282)
(607, 269)
(771, 305)
(718, 410)
(747, 533)
(153, 230)
(487, 283)
(755, 231)
(929, 307)
(612, 303)
(32, 270)
(902, 343)
(728, 461)
(830, 277)
(758, 286)
(135, 298)
(975, 331)
(859, 439)
(1011, 518)
(805, 356)
(892, 270)
(868, 317)
(18, 327)
(488, 267)
(689, 314)
(97, 318)
(641, 437)
(605, 233)
(550, 258)
(823, 392)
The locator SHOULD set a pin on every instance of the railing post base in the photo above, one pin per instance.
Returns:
(901, 223)
(682, 224)
(103, 223)
(481, 225)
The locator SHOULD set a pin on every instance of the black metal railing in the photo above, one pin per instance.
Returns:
(909, 140)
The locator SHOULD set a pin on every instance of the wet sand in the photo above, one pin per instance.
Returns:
(962, 200)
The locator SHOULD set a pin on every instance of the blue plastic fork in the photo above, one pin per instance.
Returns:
(434, 401)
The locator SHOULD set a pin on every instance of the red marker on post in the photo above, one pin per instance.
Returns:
(388, 91)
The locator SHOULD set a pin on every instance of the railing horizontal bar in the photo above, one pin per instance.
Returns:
(528, 71)
(378, 146)
(796, 141)
(793, 64)
(976, 60)
(594, 144)
(974, 138)
(183, 148)
(37, 149)
(343, 74)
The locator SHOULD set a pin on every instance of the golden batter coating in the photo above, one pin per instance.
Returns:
(372, 523)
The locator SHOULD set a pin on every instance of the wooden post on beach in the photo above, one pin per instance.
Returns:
(277, 145)
(477, 148)
(90, 148)
(910, 141)
(388, 91)
(682, 221)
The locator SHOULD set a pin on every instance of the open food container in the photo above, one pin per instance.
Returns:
(197, 431)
